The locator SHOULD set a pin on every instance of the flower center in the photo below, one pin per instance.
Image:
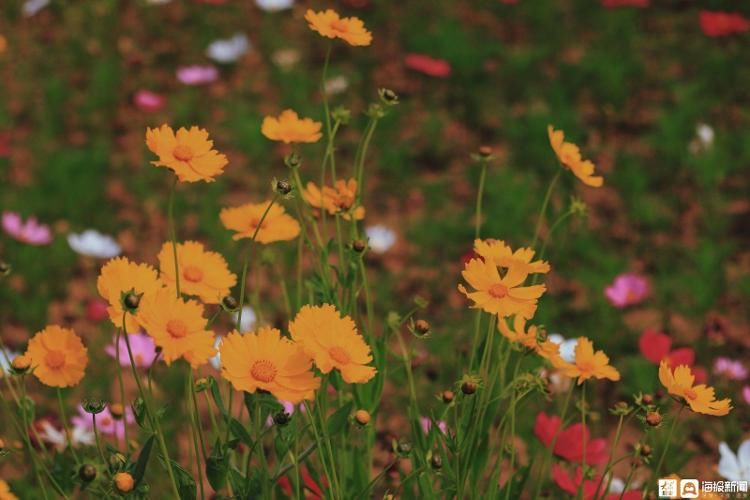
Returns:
(138, 358)
(176, 328)
(339, 25)
(498, 290)
(182, 152)
(55, 359)
(585, 366)
(193, 274)
(690, 394)
(106, 421)
(263, 370)
(339, 355)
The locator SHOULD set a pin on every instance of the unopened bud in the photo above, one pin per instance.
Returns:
(293, 160)
(21, 364)
(117, 411)
(283, 187)
(358, 246)
(653, 418)
(646, 450)
(124, 482)
(485, 151)
(436, 462)
(94, 407)
(647, 399)
(362, 417)
(448, 397)
(230, 304)
(422, 327)
(87, 473)
(469, 387)
(131, 301)
(341, 114)
(403, 447)
(201, 384)
(4, 268)
(281, 418)
(389, 97)
(117, 459)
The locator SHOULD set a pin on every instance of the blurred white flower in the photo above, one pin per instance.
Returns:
(78, 436)
(248, 319)
(705, 134)
(6, 357)
(336, 85)
(381, 238)
(285, 59)
(274, 5)
(228, 50)
(567, 346)
(92, 243)
(216, 360)
(735, 467)
(617, 485)
(31, 7)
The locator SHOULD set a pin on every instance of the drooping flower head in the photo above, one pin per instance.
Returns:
(701, 398)
(289, 128)
(30, 232)
(119, 276)
(570, 157)
(141, 345)
(338, 199)
(245, 219)
(58, 357)
(333, 342)
(202, 272)
(589, 364)
(330, 25)
(188, 153)
(628, 289)
(178, 327)
(266, 360)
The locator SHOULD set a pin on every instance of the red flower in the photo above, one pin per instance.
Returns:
(656, 346)
(613, 4)
(96, 310)
(717, 24)
(569, 443)
(571, 484)
(315, 491)
(439, 68)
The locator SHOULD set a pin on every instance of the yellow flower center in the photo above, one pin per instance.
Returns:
(182, 152)
(193, 274)
(106, 421)
(339, 355)
(339, 25)
(138, 358)
(498, 290)
(54, 359)
(263, 371)
(176, 328)
(691, 394)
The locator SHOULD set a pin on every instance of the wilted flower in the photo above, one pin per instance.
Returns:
(141, 345)
(380, 238)
(229, 49)
(274, 5)
(92, 243)
(569, 156)
(148, 101)
(627, 290)
(30, 232)
(735, 467)
(430, 66)
(197, 75)
(730, 368)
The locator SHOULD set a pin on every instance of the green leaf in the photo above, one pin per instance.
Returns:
(140, 465)
(239, 430)
(337, 421)
(185, 482)
(216, 394)
(217, 466)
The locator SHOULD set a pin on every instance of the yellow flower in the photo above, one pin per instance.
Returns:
(119, 276)
(335, 200)
(529, 338)
(501, 295)
(189, 153)
(5, 493)
(701, 398)
(588, 364)
(333, 342)
(570, 156)
(330, 25)
(500, 254)
(178, 327)
(289, 127)
(58, 357)
(270, 362)
(202, 273)
(277, 226)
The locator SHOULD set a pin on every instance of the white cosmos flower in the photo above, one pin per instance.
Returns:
(735, 467)
(31, 7)
(617, 485)
(567, 346)
(381, 238)
(274, 5)
(705, 134)
(248, 319)
(216, 360)
(336, 85)
(6, 357)
(92, 243)
(78, 436)
(228, 50)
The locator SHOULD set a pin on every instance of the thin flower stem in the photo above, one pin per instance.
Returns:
(583, 434)
(66, 425)
(98, 441)
(200, 451)
(122, 388)
(551, 447)
(618, 432)
(359, 162)
(657, 471)
(173, 236)
(480, 196)
(543, 211)
(627, 482)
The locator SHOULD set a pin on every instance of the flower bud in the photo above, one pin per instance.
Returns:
(94, 407)
(21, 364)
(341, 114)
(124, 482)
(485, 151)
(647, 399)
(447, 397)
(403, 448)
(87, 473)
(469, 387)
(362, 417)
(422, 327)
(293, 160)
(281, 418)
(436, 462)
(653, 418)
(116, 460)
(117, 411)
(230, 304)
(283, 187)
(359, 246)
(389, 97)
(646, 450)
(202, 384)
(4, 268)
(131, 301)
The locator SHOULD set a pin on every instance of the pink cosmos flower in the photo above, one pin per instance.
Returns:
(148, 101)
(730, 368)
(197, 74)
(30, 232)
(628, 289)
(143, 347)
(426, 424)
(106, 424)
(430, 66)
(746, 394)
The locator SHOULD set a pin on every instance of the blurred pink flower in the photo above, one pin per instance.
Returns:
(106, 424)
(730, 368)
(143, 347)
(30, 232)
(627, 290)
(746, 394)
(197, 75)
(439, 68)
(148, 101)
(96, 310)
(426, 424)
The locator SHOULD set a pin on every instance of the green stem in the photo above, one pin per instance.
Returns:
(66, 425)
(657, 471)
(551, 447)
(173, 236)
(543, 211)
(480, 196)
(122, 389)
(618, 432)
(98, 442)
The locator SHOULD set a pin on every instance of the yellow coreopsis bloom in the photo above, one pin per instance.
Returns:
(701, 398)
(119, 276)
(188, 153)
(338, 199)
(245, 219)
(330, 25)
(5, 493)
(57, 356)
(588, 364)
(500, 254)
(529, 338)
(570, 157)
(202, 272)
(289, 128)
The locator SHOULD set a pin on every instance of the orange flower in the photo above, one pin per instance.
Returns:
(58, 357)
(188, 153)
(501, 295)
(268, 361)
(119, 276)
(178, 327)
(502, 255)
(335, 200)
(289, 127)
(330, 25)
(277, 226)
(570, 156)
(333, 342)
(701, 398)
(588, 364)
(202, 273)
(5, 493)
(528, 338)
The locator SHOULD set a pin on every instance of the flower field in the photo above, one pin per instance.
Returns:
(261, 249)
